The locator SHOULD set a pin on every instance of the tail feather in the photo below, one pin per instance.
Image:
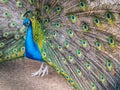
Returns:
(83, 43)
(12, 31)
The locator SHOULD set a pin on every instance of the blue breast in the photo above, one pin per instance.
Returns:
(32, 50)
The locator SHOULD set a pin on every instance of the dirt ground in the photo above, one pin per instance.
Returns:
(16, 75)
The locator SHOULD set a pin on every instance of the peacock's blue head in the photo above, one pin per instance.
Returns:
(27, 22)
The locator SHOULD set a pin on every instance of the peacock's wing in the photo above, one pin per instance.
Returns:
(12, 31)
(82, 41)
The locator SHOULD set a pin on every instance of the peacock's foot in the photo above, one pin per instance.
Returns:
(42, 71)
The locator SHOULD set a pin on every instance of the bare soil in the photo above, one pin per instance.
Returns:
(16, 75)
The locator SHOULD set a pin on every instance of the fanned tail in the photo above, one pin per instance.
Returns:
(83, 41)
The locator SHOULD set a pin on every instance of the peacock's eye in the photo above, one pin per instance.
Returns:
(97, 22)
(93, 86)
(59, 47)
(22, 30)
(17, 54)
(19, 4)
(67, 77)
(15, 50)
(73, 18)
(84, 42)
(71, 81)
(58, 24)
(66, 44)
(88, 65)
(85, 27)
(117, 86)
(46, 21)
(54, 33)
(6, 14)
(5, 34)
(13, 24)
(51, 45)
(64, 60)
(17, 36)
(37, 12)
(22, 48)
(7, 57)
(98, 45)
(2, 45)
(44, 54)
(70, 33)
(71, 58)
(62, 71)
(109, 17)
(109, 65)
(58, 9)
(49, 60)
(46, 8)
(82, 5)
(31, 1)
(4, 1)
(79, 72)
(58, 70)
(102, 77)
(111, 41)
(79, 53)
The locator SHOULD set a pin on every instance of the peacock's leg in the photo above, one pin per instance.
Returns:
(42, 71)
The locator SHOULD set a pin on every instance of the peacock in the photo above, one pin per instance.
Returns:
(80, 39)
